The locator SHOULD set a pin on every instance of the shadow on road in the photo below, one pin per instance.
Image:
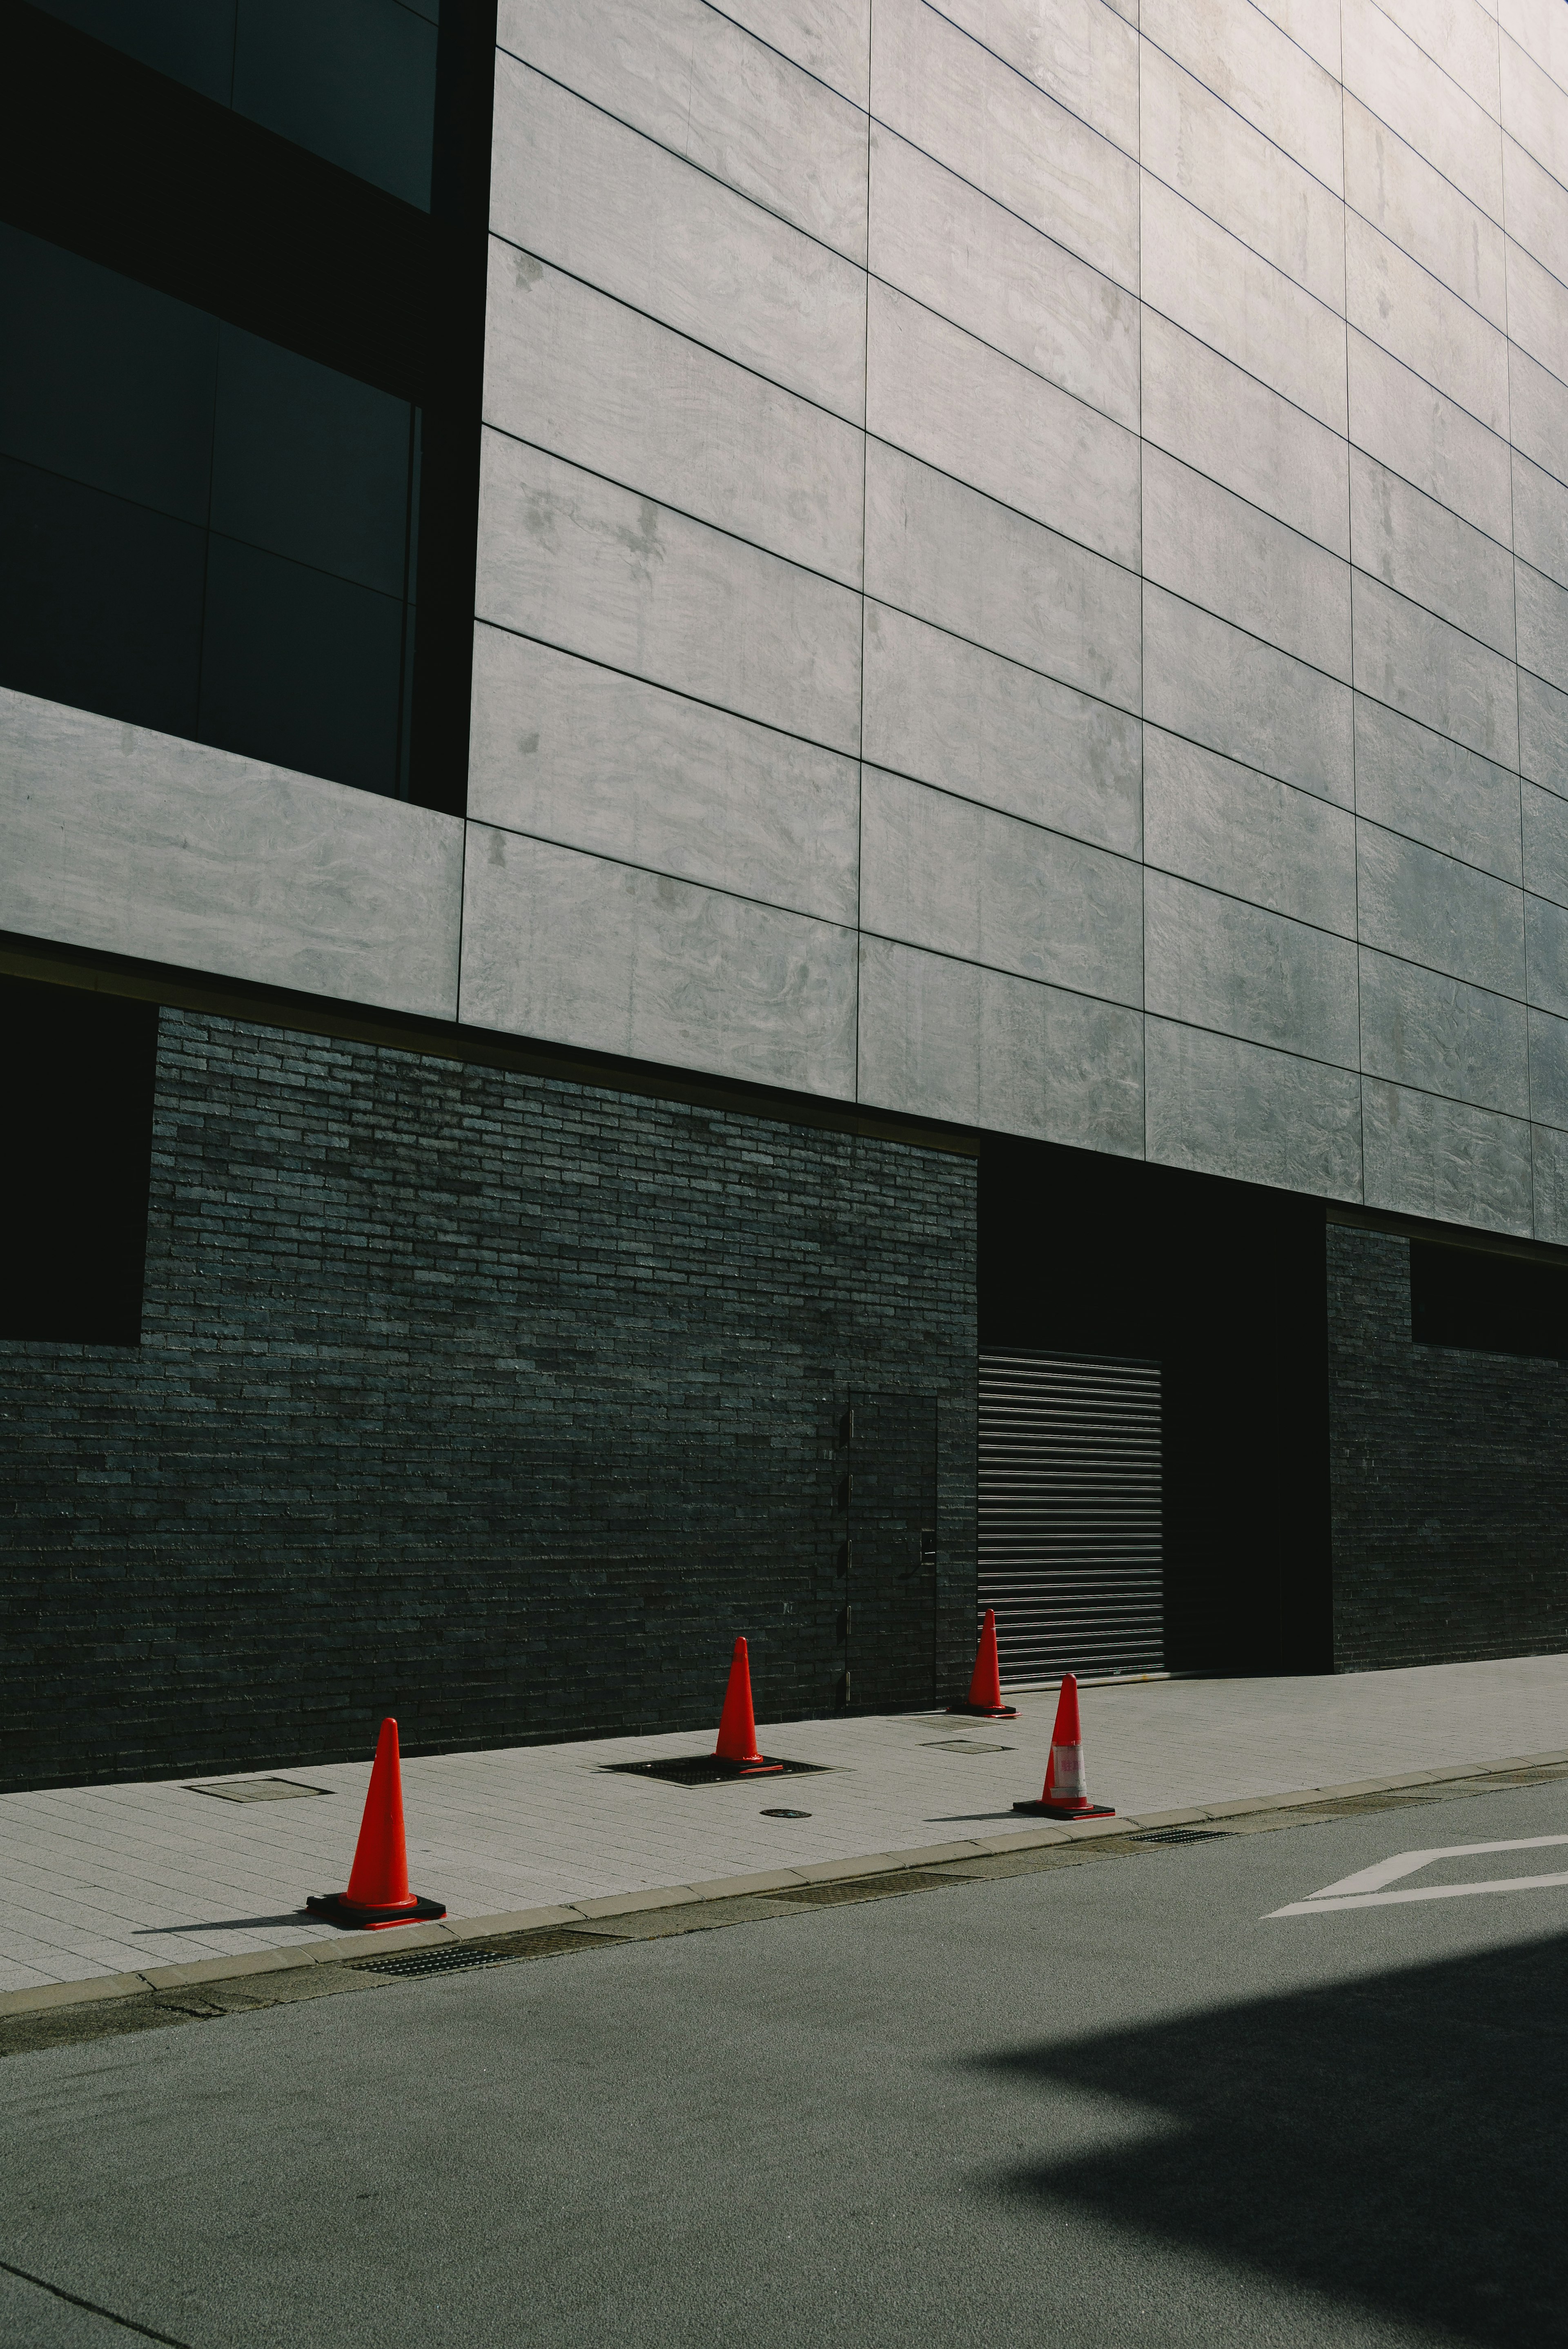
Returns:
(1401, 2142)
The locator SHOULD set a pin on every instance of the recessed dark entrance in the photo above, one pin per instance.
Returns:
(1224, 1286)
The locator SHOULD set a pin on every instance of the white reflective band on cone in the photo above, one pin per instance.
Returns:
(1067, 1770)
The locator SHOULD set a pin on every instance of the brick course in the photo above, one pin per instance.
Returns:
(491, 1400)
(1450, 1476)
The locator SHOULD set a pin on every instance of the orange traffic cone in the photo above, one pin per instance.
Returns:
(736, 1746)
(985, 1688)
(379, 1890)
(1064, 1796)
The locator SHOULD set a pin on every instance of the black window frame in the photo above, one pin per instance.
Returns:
(1482, 1301)
(76, 1178)
(145, 176)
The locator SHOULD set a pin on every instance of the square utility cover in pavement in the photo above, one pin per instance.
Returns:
(258, 1790)
(963, 1745)
(707, 1770)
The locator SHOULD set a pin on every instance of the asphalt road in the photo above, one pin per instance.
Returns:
(1111, 2105)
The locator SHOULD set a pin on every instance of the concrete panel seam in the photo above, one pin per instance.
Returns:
(701, 522)
(1070, 684)
(744, 195)
(700, 701)
(973, 962)
(474, 824)
(746, 366)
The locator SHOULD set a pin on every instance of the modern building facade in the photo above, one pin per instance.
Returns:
(785, 842)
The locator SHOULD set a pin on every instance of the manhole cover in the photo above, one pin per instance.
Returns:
(786, 1815)
(963, 1745)
(704, 1770)
(1181, 1834)
(259, 1790)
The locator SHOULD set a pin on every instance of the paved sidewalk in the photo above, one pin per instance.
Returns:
(112, 1879)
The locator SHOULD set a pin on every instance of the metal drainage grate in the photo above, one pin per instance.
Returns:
(435, 1961)
(444, 1958)
(258, 1790)
(1181, 1834)
(859, 1888)
(704, 1770)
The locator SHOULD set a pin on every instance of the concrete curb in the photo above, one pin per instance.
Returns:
(344, 1946)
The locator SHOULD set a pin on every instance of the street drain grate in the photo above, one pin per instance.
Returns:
(446, 1958)
(1181, 1834)
(857, 1887)
(707, 1770)
(435, 1961)
(258, 1790)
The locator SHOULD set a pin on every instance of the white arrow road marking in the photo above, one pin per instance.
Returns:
(1365, 1890)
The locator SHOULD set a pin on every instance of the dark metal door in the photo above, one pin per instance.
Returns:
(1071, 1554)
(891, 1644)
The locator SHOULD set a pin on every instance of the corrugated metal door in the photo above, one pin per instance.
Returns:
(1070, 1553)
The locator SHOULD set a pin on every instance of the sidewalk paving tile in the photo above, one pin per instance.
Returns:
(106, 1879)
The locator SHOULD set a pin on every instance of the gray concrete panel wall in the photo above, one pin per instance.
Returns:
(136, 844)
(1023, 577)
(1195, 453)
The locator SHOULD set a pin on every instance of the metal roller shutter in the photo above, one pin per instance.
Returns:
(1070, 1553)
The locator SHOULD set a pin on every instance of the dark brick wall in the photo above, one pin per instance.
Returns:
(1450, 1479)
(496, 1401)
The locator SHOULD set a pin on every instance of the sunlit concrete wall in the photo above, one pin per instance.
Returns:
(1022, 578)
(1024, 571)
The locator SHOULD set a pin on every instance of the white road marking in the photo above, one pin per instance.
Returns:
(1365, 1889)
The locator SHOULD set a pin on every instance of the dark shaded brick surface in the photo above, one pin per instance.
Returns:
(495, 1402)
(1449, 1473)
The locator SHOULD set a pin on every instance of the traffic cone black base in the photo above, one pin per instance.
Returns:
(340, 1910)
(1060, 1810)
(378, 1894)
(987, 1712)
(1064, 1795)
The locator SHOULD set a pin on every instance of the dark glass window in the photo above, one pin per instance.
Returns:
(1489, 1304)
(79, 1073)
(354, 80)
(202, 531)
(242, 397)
